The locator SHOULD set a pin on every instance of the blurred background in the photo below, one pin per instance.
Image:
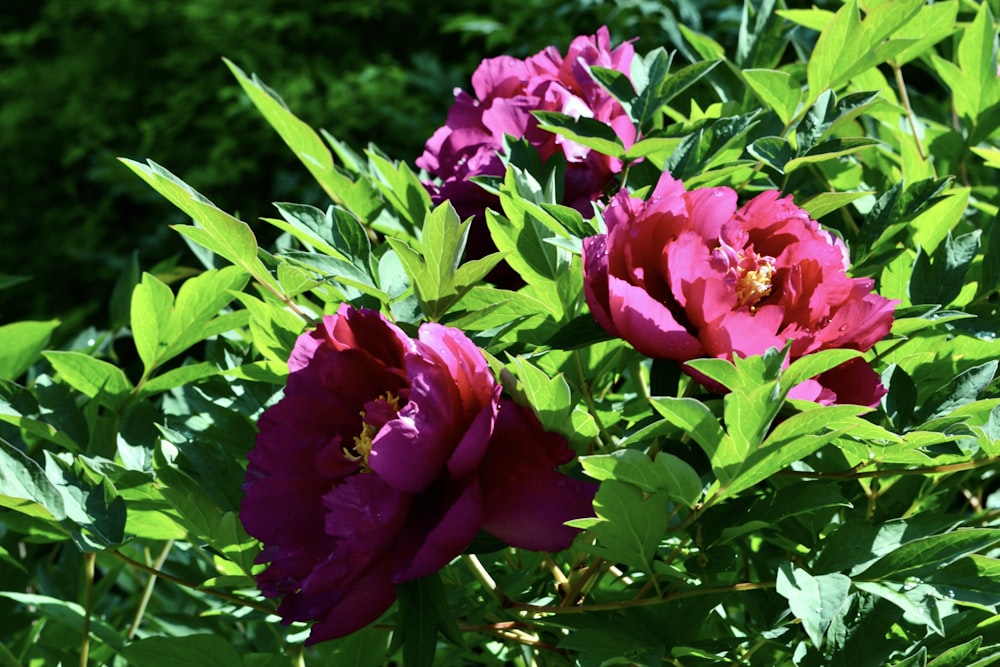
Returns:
(83, 82)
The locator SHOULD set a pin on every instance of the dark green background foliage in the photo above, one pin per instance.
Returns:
(86, 81)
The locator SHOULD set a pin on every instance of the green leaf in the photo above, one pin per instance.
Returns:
(363, 648)
(522, 237)
(931, 24)
(309, 225)
(649, 73)
(693, 417)
(21, 478)
(826, 202)
(91, 377)
(709, 145)
(705, 46)
(580, 332)
(918, 659)
(218, 231)
(193, 650)
(901, 398)
(615, 82)
(23, 343)
(816, 601)
(423, 612)
(777, 89)
(438, 278)
(550, 398)
(971, 580)
(939, 278)
(666, 473)
(301, 138)
(162, 329)
(792, 440)
(831, 149)
(959, 391)
(7, 280)
(401, 188)
(70, 614)
(926, 555)
(584, 131)
(914, 599)
(775, 152)
(831, 65)
(956, 655)
(152, 308)
(273, 328)
(827, 115)
(199, 301)
(629, 523)
(679, 479)
(761, 39)
(989, 281)
(177, 377)
(676, 83)
(844, 28)
(977, 60)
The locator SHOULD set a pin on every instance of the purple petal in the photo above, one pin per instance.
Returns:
(526, 502)
(372, 594)
(443, 522)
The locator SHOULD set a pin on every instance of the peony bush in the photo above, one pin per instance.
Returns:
(651, 358)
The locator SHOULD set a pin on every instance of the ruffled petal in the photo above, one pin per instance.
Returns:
(371, 596)
(442, 524)
(526, 502)
(649, 325)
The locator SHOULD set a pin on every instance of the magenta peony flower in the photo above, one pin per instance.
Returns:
(685, 275)
(381, 463)
(506, 91)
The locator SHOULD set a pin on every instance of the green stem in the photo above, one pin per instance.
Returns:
(147, 591)
(905, 99)
(222, 595)
(483, 577)
(862, 474)
(298, 655)
(644, 602)
(606, 440)
(287, 301)
(88, 572)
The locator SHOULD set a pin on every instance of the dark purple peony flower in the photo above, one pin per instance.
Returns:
(685, 274)
(381, 463)
(506, 91)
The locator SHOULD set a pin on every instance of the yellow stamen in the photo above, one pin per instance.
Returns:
(363, 442)
(753, 286)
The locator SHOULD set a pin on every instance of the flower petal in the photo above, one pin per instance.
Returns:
(649, 325)
(370, 597)
(526, 502)
(443, 522)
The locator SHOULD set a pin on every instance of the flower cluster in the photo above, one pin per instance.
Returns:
(388, 454)
(384, 459)
(506, 91)
(685, 274)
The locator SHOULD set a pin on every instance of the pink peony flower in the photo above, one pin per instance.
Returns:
(506, 91)
(381, 463)
(685, 274)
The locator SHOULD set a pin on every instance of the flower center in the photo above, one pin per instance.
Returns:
(755, 285)
(749, 273)
(373, 418)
